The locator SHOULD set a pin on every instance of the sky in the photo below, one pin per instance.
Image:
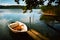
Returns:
(11, 2)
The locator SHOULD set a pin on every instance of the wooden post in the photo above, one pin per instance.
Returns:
(33, 18)
(29, 22)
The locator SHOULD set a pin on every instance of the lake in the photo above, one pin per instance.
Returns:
(32, 20)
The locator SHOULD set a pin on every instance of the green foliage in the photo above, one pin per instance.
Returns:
(34, 3)
(53, 9)
(57, 11)
(46, 8)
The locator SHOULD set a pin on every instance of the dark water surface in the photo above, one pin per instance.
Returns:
(11, 15)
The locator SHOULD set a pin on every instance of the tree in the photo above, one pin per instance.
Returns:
(34, 3)
(17, 1)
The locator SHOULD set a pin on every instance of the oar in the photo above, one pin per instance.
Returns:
(36, 35)
(39, 34)
(33, 35)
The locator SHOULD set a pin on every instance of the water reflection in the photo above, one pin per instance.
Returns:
(11, 15)
(51, 20)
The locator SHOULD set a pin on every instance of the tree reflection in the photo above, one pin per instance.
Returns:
(50, 21)
(47, 18)
(50, 14)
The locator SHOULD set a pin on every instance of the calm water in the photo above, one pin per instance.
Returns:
(11, 15)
